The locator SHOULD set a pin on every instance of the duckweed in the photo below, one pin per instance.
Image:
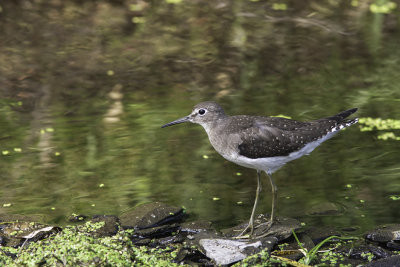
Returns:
(76, 246)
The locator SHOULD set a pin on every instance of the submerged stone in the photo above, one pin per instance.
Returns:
(326, 209)
(151, 215)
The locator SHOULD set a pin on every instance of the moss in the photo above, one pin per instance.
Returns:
(76, 246)
(261, 259)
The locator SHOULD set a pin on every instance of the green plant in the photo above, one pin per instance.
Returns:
(311, 255)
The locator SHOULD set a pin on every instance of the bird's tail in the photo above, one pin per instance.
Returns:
(340, 117)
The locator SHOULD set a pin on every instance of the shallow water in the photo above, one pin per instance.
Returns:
(86, 87)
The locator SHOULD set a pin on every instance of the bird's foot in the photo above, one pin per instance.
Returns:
(265, 229)
(243, 234)
(248, 231)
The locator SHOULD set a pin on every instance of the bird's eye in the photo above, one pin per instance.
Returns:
(202, 111)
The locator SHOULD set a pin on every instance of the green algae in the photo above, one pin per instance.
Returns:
(260, 259)
(76, 245)
(388, 125)
(369, 124)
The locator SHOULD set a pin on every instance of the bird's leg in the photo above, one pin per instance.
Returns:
(272, 218)
(274, 194)
(250, 225)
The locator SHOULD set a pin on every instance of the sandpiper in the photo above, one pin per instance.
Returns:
(263, 143)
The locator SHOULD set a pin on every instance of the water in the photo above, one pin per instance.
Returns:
(84, 91)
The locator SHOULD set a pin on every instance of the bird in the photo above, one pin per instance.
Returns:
(263, 143)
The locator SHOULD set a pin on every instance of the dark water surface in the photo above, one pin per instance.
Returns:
(85, 88)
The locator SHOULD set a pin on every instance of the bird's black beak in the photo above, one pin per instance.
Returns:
(181, 120)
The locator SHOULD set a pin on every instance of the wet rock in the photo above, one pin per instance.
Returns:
(16, 233)
(393, 245)
(192, 257)
(151, 215)
(385, 233)
(291, 247)
(368, 252)
(227, 251)
(195, 231)
(196, 227)
(111, 225)
(281, 229)
(193, 236)
(170, 240)
(387, 262)
(318, 234)
(161, 242)
(157, 225)
(156, 232)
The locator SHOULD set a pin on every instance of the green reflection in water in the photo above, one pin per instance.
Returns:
(85, 89)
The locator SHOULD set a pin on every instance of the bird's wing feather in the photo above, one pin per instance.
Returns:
(272, 137)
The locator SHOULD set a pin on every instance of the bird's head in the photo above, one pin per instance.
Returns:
(205, 114)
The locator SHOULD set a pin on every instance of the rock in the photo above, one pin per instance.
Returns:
(368, 252)
(156, 232)
(385, 233)
(319, 234)
(192, 257)
(281, 229)
(393, 245)
(155, 224)
(151, 215)
(291, 248)
(170, 240)
(16, 233)
(195, 231)
(111, 225)
(387, 262)
(196, 227)
(227, 251)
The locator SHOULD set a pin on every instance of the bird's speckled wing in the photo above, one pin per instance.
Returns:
(271, 137)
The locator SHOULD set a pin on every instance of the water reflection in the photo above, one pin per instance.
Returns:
(86, 87)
